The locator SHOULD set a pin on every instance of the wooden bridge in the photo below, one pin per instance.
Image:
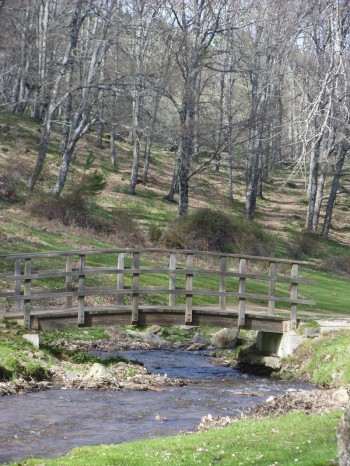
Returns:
(117, 286)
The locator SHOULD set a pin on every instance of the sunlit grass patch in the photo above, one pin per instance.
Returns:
(291, 439)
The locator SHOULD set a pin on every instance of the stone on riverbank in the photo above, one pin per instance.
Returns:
(98, 371)
(154, 341)
(225, 338)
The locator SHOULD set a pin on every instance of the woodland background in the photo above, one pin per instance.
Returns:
(221, 85)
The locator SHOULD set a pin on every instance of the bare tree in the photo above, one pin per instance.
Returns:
(57, 98)
(198, 23)
(83, 118)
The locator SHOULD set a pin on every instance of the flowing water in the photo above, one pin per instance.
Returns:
(50, 423)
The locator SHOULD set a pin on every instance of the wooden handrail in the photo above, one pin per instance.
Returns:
(88, 252)
(232, 271)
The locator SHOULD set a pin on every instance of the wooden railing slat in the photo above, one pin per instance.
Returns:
(241, 292)
(81, 289)
(120, 276)
(272, 287)
(18, 270)
(135, 289)
(189, 286)
(27, 293)
(69, 281)
(172, 278)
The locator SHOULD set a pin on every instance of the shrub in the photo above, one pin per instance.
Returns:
(211, 230)
(339, 264)
(304, 244)
(72, 209)
(154, 233)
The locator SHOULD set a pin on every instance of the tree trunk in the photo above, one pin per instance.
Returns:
(136, 138)
(334, 189)
(21, 90)
(112, 141)
(312, 189)
(230, 174)
(112, 146)
(174, 187)
(319, 196)
(41, 155)
(147, 158)
(79, 127)
(55, 102)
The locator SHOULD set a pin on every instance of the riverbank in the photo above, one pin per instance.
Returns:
(294, 438)
(319, 407)
(70, 358)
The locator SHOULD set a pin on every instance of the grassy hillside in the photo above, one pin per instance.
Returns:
(114, 218)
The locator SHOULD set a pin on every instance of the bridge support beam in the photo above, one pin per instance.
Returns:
(276, 343)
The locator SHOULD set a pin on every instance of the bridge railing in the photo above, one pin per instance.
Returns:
(119, 279)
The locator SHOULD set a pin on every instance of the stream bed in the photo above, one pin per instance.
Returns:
(50, 423)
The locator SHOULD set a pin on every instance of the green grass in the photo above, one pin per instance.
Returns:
(331, 292)
(324, 359)
(73, 334)
(16, 359)
(287, 440)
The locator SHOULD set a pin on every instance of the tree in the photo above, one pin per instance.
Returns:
(83, 119)
(327, 118)
(197, 24)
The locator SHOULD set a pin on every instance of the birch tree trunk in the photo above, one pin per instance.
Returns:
(55, 100)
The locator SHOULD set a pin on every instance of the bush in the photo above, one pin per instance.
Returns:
(339, 264)
(303, 245)
(211, 230)
(155, 233)
(73, 209)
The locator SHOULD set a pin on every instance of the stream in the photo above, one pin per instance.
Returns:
(50, 423)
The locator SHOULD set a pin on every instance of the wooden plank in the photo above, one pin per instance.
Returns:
(294, 296)
(150, 317)
(135, 288)
(241, 292)
(69, 281)
(272, 287)
(148, 250)
(172, 278)
(59, 273)
(110, 291)
(81, 289)
(27, 293)
(222, 298)
(18, 271)
(189, 286)
(120, 278)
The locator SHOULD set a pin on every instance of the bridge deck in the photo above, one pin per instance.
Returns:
(149, 315)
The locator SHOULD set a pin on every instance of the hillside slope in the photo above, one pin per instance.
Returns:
(145, 215)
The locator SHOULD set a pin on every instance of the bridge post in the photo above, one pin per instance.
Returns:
(294, 296)
(120, 278)
(241, 291)
(272, 287)
(81, 286)
(172, 277)
(18, 271)
(222, 299)
(69, 281)
(27, 292)
(189, 286)
(135, 287)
